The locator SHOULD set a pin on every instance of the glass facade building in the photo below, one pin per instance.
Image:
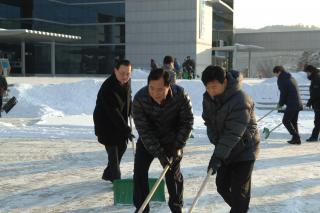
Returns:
(100, 23)
(222, 32)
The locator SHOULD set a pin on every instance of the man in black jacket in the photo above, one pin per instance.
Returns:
(314, 101)
(229, 116)
(289, 96)
(111, 117)
(163, 118)
(3, 89)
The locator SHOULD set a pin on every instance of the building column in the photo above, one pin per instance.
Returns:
(53, 58)
(234, 58)
(249, 64)
(23, 58)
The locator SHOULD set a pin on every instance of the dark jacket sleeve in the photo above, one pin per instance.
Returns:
(113, 112)
(315, 90)
(207, 122)
(235, 126)
(185, 122)
(282, 85)
(147, 134)
(3, 83)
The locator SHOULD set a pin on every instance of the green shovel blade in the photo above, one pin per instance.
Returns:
(123, 191)
(266, 133)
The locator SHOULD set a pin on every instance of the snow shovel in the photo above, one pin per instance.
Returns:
(133, 145)
(10, 104)
(266, 114)
(204, 183)
(123, 188)
(266, 132)
(155, 186)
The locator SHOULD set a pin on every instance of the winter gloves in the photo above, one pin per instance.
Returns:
(214, 164)
(129, 134)
(309, 103)
(280, 108)
(164, 157)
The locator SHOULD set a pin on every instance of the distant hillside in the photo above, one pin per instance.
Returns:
(278, 28)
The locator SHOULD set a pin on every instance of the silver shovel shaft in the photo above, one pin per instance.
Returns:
(154, 188)
(266, 114)
(275, 127)
(204, 183)
(133, 145)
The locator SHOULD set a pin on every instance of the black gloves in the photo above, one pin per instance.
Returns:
(309, 103)
(214, 164)
(164, 159)
(130, 137)
(129, 134)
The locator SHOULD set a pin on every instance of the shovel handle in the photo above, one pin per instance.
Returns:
(204, 183)
(266, 114)
(155, 186)
(132, 141)
(275, 127)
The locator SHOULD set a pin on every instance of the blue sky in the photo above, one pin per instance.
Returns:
(259, 13)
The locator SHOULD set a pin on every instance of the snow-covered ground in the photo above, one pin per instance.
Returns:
(50, 160)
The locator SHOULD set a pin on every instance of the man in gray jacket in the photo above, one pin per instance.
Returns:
(231, 126)
(163, 117)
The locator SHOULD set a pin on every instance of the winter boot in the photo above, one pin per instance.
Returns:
(295, 140)
(312, 139)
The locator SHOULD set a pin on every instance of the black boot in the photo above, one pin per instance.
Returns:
(312, 139)
(290, 141)
(295, 140)
(108, 176)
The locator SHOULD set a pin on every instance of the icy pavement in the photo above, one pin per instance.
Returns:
(65, 176)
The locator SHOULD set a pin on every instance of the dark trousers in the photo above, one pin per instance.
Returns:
(316, 129)
(0, 103)
(115, 153)
(174, 181)
(234, 185)
(290, 121)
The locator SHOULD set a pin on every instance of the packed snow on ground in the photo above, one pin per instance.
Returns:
(50, 160)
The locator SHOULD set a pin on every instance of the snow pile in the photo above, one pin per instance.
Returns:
(140, 74)
(55, 99)
(70, 104)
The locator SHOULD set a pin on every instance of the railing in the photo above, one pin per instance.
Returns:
(268, 105)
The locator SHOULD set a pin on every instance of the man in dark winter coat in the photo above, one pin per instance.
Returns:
(168, 65)
(111, 117)
(289, 96)
(314, 101)
(163, 118)
(189, 66)
(229, 116)
(3, 89)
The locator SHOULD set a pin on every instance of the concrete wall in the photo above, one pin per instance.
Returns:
(281, 48)
(157, 28)
(204, 37)
(279, 41)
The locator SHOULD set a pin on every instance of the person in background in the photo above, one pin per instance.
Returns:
(314, 100)
(168, 65)
(153, 64)
(113, 108)
(189, 67)
(289, 96)
(163, 117)
(177, 68)
(3, 89)
(228, 113)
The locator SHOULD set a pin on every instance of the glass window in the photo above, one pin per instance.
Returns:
(87, 59)
(79, 13)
